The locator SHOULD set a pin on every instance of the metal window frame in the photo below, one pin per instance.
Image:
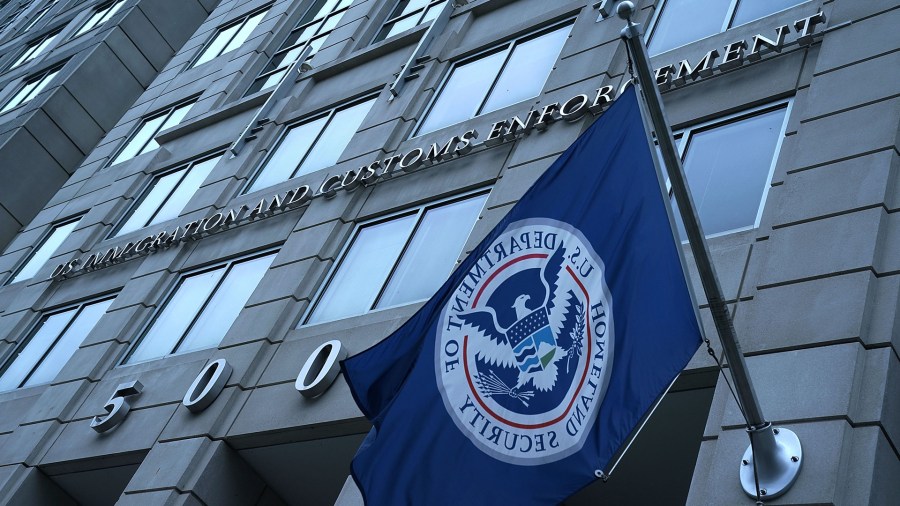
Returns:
(239, 22)
(144, 119)
(99, 12)
(78, 307)
(726, 22)
(32, 47)
(506, 47)
(686, 134)
(21, 7)
(226, 264)
(40, 15)
(41, 240)
(328, 113)
(397, 18)
(419, 211)
(37, 77)
(300, 26)
(185, 166)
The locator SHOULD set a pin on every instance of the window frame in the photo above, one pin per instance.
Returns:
(78, 307)
(395, 19)
(40, 15)
(167, 112)
(37, 77)
(240, 22)
(298, 27)
(683, 140)
(416, 210)
(726, 23)
(14, 16)
(172, 289)
(45, 235)
(103, 11)
(148, 187)
(506, 47)
(329, 115)
(25, 57)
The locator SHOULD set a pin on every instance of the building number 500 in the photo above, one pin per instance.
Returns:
(317, 374)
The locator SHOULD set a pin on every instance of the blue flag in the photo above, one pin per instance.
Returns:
(535, 361)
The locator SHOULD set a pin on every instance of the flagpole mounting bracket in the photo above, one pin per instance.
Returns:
(777, 460)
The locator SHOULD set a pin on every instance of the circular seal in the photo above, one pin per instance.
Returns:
(525, 344)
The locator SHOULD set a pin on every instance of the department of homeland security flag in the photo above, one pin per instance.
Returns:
(533, 363)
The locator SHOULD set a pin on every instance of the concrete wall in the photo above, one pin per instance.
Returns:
(814, 289)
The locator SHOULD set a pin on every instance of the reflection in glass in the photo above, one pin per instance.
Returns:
(363, 270)
(527, 70)
(499, 79)
(727, 169)
(174, 320)
(311, 146)
(52, 343)
(202, 309)
(433, 251)
(42, 339)
(225, 305)
(142, 141)
(749, 10)
(292, 148)
(44, 251)
(684, 21)
(335, 138)
(68, 343)
(463, 92)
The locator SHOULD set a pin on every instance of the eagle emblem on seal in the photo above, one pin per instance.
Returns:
(547, 334)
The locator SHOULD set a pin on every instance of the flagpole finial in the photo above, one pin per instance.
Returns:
(625, 10)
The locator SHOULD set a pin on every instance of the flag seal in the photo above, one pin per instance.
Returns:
(525, 344)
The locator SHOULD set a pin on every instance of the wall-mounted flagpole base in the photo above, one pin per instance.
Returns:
(778, 458)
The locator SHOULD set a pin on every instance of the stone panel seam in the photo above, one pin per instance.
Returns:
(842, 159)
(847, 109)
(125, 65)
(821, 344)
(155, 29)
(880, 427)
(875, 14)
(832, 215)
(857, 62)
(821, 276)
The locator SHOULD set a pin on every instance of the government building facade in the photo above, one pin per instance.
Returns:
(206, 203)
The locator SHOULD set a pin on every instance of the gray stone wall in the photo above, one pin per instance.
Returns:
(105, 70)
(814, 289)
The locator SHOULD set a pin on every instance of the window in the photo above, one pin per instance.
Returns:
(35, 48)
(229, 37)
(167, 195)
(40, 15)
(407, 14)
(100, 15)
(201, 309)
(320, 19)
(31, 88)
(50, 345)
(503, 76)
(679, 23)
(729, 190)
(142, 140)
(14, 15)
(47, 248)
(312, 145)
(399, 260)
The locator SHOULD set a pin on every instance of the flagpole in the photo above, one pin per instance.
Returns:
(777, 450)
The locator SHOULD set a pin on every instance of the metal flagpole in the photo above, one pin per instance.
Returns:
(775, 453)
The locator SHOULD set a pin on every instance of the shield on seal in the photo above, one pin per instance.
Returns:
(532, 341)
